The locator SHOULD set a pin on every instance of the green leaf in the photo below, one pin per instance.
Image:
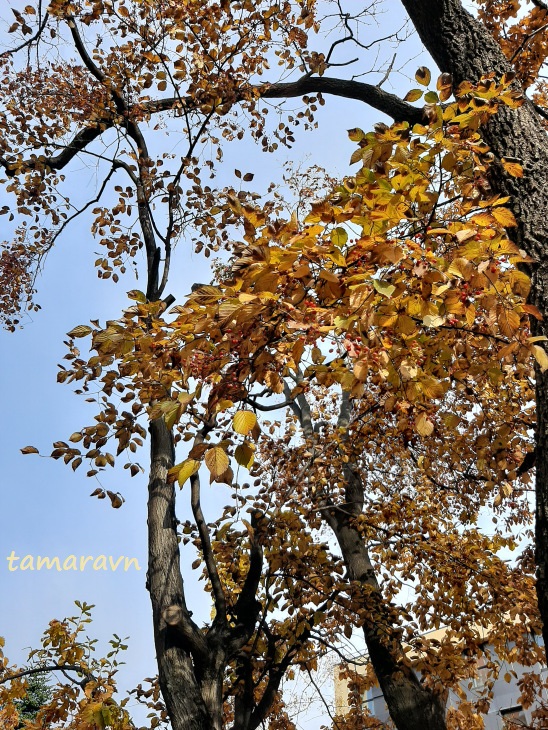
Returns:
(339, 237)
(384, 288)
(431, 97)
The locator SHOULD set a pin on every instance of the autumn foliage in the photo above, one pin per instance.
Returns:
(360, 373)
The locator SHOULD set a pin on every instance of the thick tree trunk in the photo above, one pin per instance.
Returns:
(181, 693)
(460, 45)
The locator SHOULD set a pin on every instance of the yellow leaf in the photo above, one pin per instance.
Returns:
(504, 216)
(512, 167)
(431, 387)
(339, 237)
(188, 468)
(482, 219)
(244, 422)
(337, 257)
(508, 321)
(171, 411)
(507, 350)
(384, 288)
(532, 310)
(424, 425)
(431, 320)
(470, 315)
(244, 297)
(413, 95)
(540, 356)
(244, 455)
(137, 296)
(223, 405)
(465, 234)
(408, 370)
(361, 369)
(81, 331)
(216, 461)
(461, 268)
(328, 276)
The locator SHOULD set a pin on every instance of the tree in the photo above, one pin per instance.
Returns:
(38, 694)
(431, 272)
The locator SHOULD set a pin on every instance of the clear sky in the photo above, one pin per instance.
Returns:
(45, 507)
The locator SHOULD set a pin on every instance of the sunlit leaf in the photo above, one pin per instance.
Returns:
(186, 470)
(216, 461)
(81, 330)
(244, 421)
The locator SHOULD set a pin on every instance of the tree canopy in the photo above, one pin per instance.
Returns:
(366, 369)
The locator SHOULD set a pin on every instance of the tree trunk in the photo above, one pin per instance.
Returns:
(411, 706)
(181, 693)
(460, 45)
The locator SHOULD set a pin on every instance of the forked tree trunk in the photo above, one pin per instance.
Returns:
(183, 698)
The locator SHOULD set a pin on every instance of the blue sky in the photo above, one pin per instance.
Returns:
(46, 509)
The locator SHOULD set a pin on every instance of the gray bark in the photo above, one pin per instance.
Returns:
(181, 693)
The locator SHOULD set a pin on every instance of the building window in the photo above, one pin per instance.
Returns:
(513, 718)
(483, 674)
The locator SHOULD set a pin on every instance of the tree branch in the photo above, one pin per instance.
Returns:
(387, 103)
(203, 531)
(29, 41)
(247, 606)
(383, 101)
(88, 677)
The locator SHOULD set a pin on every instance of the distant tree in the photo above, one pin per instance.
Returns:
(37, 695)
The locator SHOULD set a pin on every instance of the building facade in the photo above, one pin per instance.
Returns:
(505, 711)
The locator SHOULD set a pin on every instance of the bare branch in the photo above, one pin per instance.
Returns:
(29, 41)
(387, 103)
(88, 677)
